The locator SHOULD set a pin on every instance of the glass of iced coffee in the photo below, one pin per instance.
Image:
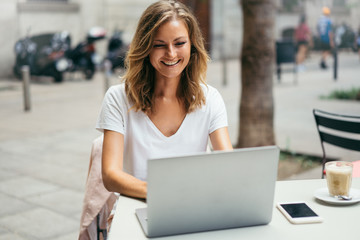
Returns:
(339, 177)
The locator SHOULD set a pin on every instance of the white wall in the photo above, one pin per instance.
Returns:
(284, 21)
(226, 29)
(8, 33)
(124, 15)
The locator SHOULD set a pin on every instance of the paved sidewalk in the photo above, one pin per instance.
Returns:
(44, 153)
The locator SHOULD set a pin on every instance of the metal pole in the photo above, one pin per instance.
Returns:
(223, 44)
(25, 71)
(107, 69)
(224, 71)
(335, 62)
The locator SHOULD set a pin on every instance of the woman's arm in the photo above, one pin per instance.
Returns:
(114, 178)
(220, 139)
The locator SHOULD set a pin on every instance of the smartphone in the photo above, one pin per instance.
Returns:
(299, 212)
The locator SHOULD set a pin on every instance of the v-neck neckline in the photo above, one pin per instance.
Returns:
(152, 124)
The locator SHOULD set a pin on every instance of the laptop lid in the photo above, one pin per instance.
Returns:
(210, 191)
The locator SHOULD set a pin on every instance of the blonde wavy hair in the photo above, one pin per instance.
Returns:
(140, 74)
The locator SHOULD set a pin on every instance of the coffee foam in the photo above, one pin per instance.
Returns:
(339, 169)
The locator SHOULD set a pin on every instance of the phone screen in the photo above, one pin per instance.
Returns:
(298, 210)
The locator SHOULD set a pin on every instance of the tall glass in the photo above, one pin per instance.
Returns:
(339, 177)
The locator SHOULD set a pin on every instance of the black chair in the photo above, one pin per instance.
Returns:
(338, 130)
(285, 53)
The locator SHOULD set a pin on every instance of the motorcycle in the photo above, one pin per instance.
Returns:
(83, 57)
(116, 50)
(44, 54)
(344, 36)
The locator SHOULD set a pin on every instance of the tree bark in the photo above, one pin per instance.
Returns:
(201, 10)
(256, 125)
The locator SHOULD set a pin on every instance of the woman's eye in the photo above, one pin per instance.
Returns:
(159, 45)
(180, 43)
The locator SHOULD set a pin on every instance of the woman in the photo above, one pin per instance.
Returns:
(164, 107)
(302, 37)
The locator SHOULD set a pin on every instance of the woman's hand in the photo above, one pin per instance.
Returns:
(114, 178)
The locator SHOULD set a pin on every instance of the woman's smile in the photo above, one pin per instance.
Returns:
(171, 63)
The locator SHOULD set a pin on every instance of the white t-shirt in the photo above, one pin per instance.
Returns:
(143, 140)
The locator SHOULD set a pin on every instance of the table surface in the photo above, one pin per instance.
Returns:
(339, 221)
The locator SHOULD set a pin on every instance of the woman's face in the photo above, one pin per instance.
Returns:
(170, 51)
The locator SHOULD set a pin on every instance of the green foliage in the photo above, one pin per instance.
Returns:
(352, 94)
(306, 161)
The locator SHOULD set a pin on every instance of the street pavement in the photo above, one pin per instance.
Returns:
(44, 152)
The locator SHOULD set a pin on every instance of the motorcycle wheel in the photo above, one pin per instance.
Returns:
(58, 76)
(89, 73)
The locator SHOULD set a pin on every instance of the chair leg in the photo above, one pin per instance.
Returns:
(295, 74)
(98, 226)
(99, 230)
(278, 71)
(324, 159)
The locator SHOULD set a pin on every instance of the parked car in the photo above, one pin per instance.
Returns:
(44, 54)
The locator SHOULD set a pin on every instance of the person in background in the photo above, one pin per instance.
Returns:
(302, 38)
(164, 106)
(325, 32)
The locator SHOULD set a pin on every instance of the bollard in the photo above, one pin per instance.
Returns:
(335, 63)
(107, 69)
(224, 71)
(25, 71)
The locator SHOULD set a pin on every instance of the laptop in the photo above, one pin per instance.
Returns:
(210, 191)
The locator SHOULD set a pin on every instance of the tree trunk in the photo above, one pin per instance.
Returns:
(201, 10)
(256, 126)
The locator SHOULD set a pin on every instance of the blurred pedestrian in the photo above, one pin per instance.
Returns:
(325, 32)
(302, 39)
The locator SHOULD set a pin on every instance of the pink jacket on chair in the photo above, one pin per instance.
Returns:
(97, 199)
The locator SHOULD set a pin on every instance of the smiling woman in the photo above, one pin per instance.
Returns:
(140, 73)
(164, 107)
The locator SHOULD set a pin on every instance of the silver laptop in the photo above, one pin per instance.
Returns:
(210, 191)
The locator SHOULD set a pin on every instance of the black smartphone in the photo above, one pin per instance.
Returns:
(299, 212)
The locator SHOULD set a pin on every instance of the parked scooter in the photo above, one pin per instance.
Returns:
(44, 54)
(83, 57)
(344, 36)
(116, 50)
